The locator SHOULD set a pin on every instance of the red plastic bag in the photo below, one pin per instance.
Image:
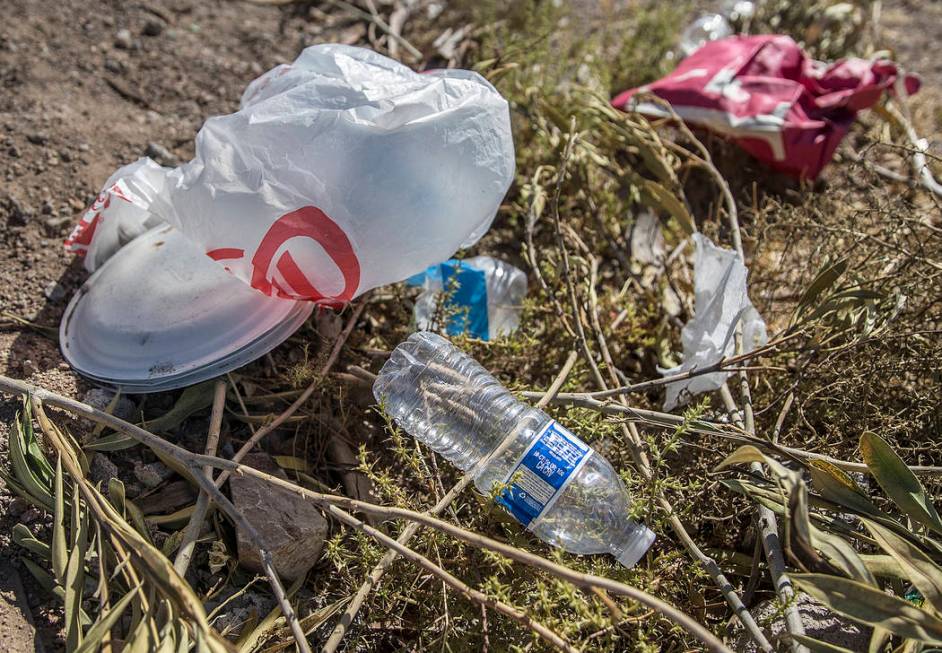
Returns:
(778, 104)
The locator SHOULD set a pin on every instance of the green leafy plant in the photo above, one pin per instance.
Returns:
(832, 525)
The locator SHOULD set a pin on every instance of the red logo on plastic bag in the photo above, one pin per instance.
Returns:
(276, 272)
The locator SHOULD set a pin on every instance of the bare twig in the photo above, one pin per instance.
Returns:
(772, 546)
(192, 531)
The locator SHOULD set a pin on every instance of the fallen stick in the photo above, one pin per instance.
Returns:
(192, 531)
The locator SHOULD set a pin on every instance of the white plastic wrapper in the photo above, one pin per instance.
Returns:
(721, 299)
(340, 172)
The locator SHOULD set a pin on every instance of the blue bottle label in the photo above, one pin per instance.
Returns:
(542, 474)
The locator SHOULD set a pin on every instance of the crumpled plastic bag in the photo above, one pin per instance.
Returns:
(721, 300)
(774, 101)
(340, 172)
(483, 297)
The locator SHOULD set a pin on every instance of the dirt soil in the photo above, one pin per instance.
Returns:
(90, 85)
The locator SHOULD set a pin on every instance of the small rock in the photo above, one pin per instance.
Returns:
(14, 151)
(54, 292)
(18, 506)
(819, 622)
(153, 27)
(102, 469)
(30, 515)
(152, 474)
(101, 398)
(161, 155)
(37, 138)
(19, 213)
(47, 208)
(28, 367)
(292, 529)
(114, 66)
(123, 39)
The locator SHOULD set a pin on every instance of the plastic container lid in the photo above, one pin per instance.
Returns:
(160, 315)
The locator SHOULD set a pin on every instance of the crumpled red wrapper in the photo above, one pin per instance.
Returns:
(768, 96)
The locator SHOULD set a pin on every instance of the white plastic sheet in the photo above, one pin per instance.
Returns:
(340, 172)
(721, 300)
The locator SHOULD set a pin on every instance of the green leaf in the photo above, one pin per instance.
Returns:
(35, 454)
(106, 620)
(825, 279)
(817, 646)
(75, 574)
(920, 569)
(112, 442)
(842, 555)
(669, 202)
(45, 580)
(25, 538)
(898, 481)
(872, 606)
(19, 460)
(193, 399)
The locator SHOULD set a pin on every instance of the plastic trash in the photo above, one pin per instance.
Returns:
(480, 296)
(704, 29)
(557, 486)
(712, 26)
(160, 315)
(775, 102)
(340, 172)
(721, 300)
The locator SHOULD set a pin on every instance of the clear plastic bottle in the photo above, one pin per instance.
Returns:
(492, 301)
(564, 492)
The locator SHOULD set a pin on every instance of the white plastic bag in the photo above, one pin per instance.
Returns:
(342, 171)
(721, 299)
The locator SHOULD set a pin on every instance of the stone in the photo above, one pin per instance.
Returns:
(102, 470)
(291, 528)
(101, 398)
(54, 292)
(152, 474)
(161, 155)
(820, 623)
(123, 39)
(153, 27)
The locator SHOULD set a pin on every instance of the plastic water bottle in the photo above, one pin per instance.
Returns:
(547, 478)
(484, 297)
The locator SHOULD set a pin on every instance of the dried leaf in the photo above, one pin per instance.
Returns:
(669, 202)
(817, 646)
(60, 552)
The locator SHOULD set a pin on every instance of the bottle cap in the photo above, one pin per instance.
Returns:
(638, 546)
